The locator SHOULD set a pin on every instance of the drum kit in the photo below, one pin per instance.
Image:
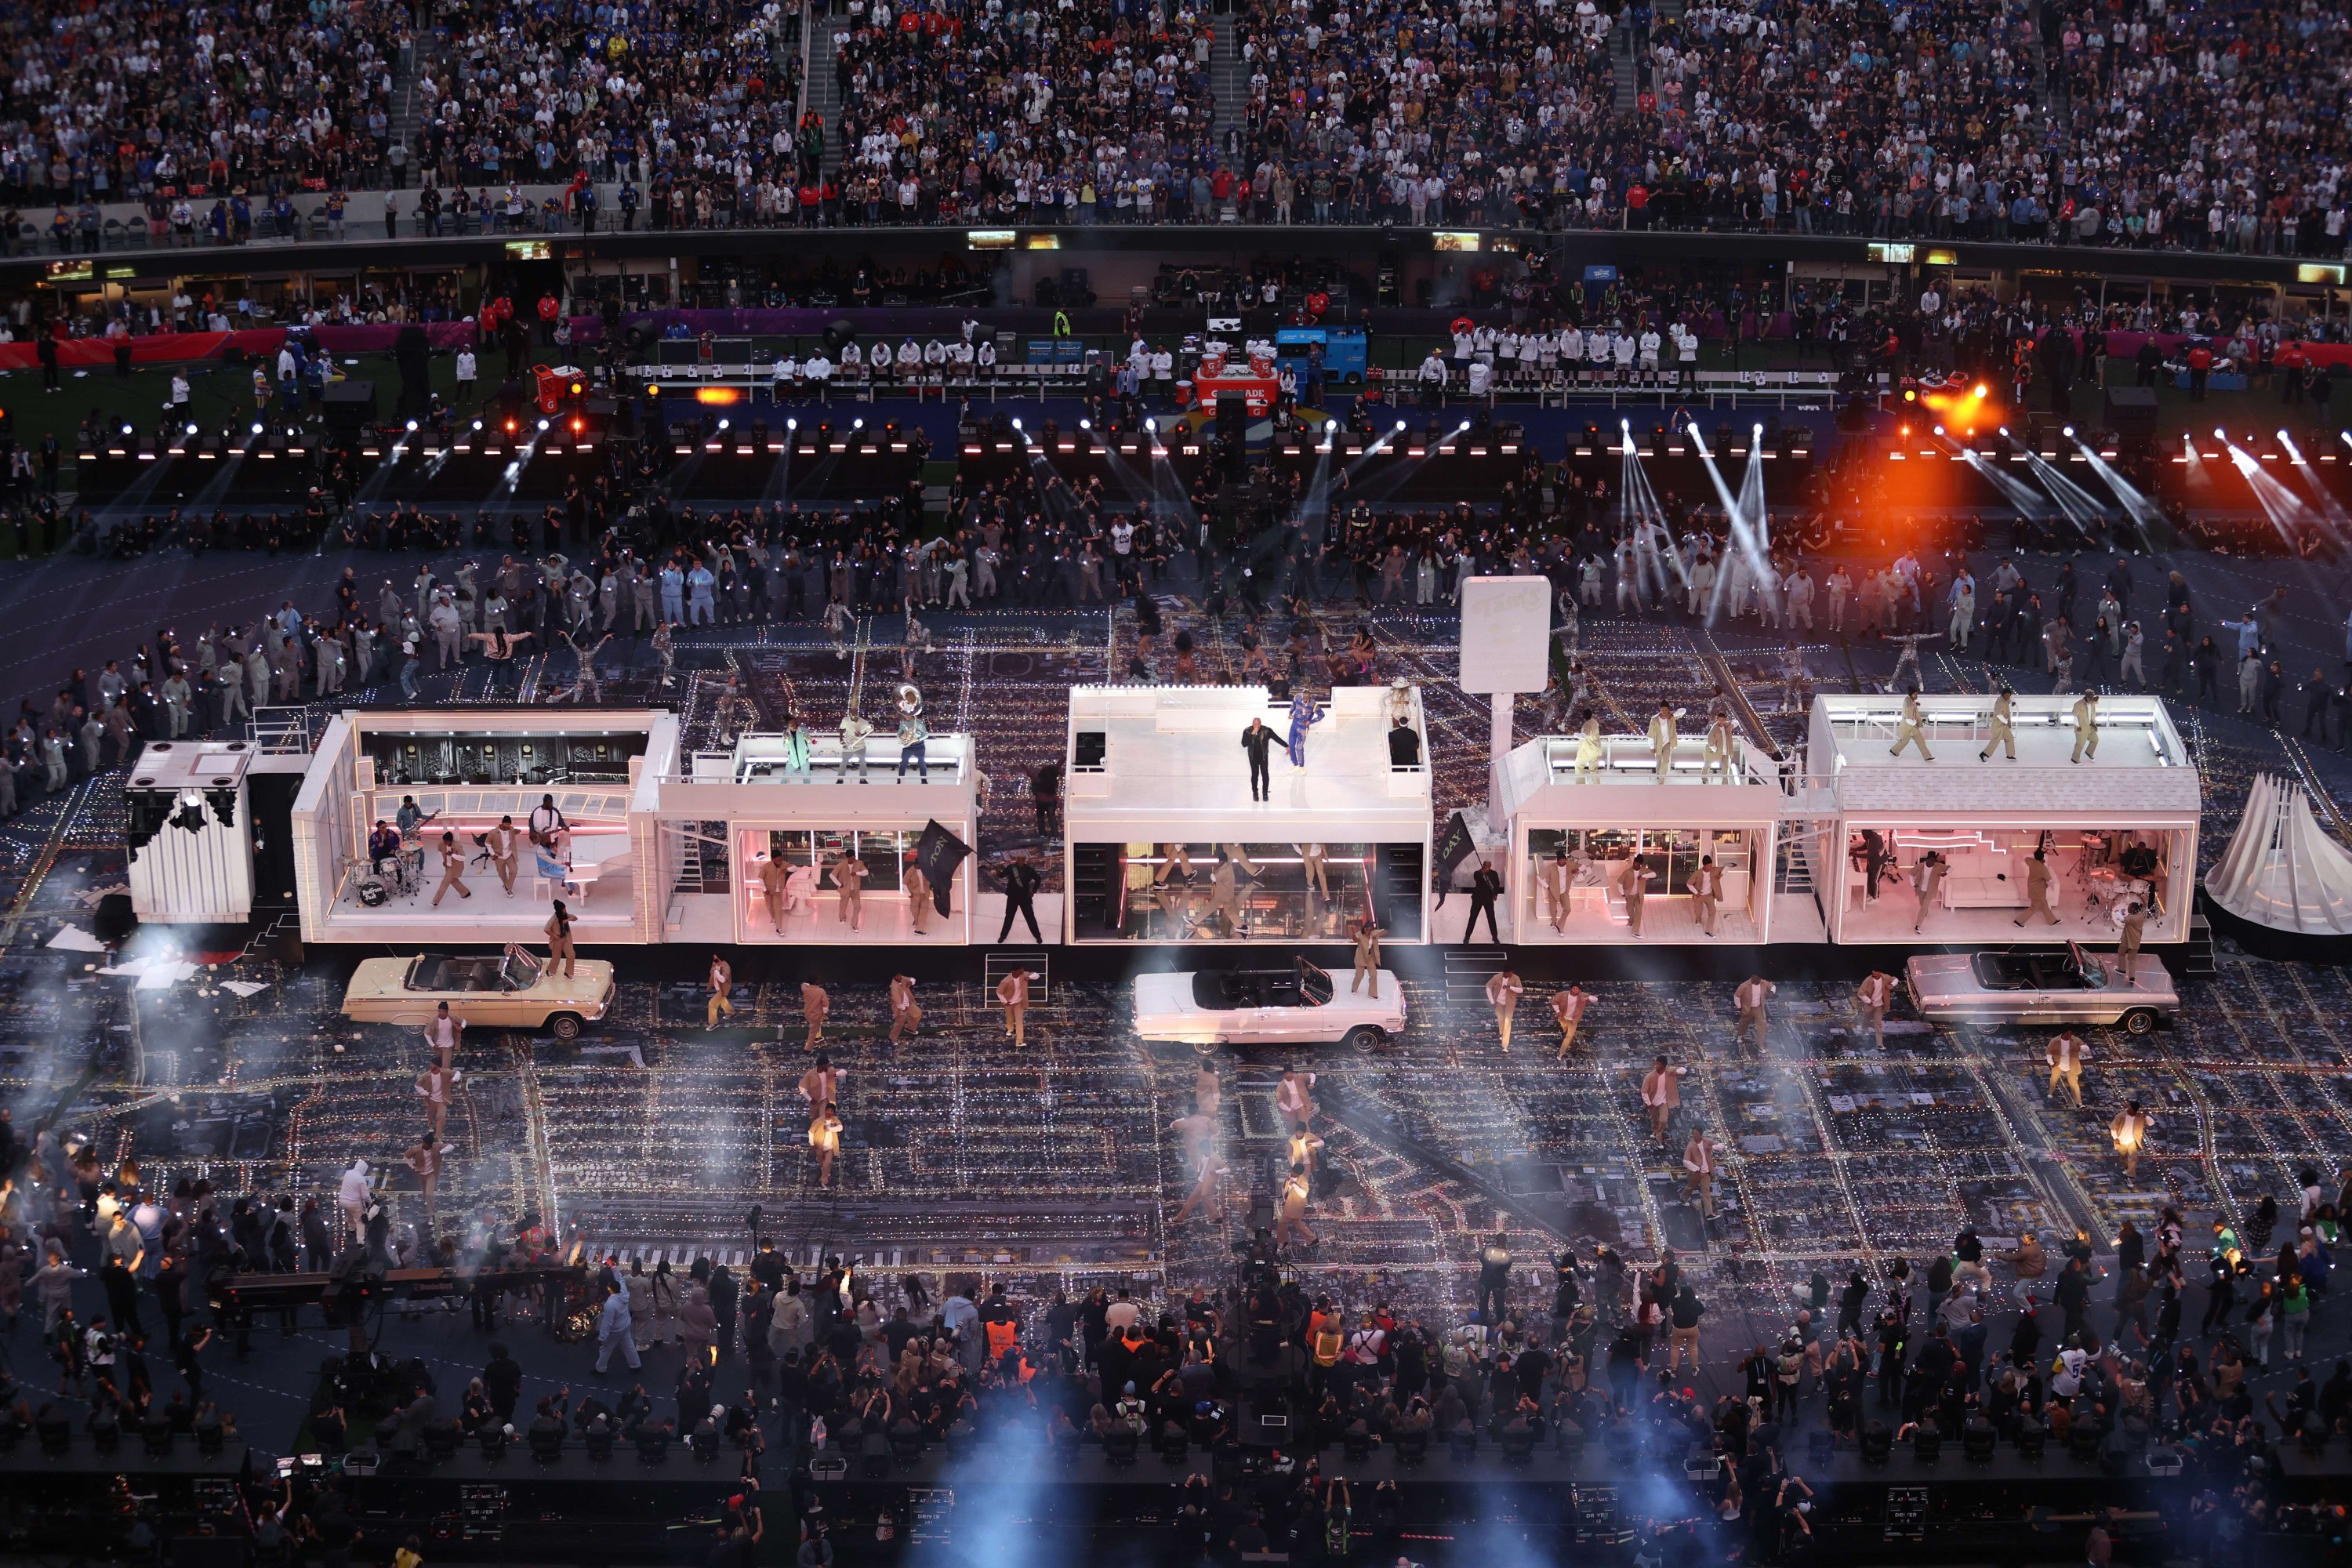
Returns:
(389, 875)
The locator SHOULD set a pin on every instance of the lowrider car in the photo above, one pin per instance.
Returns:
(2041, 985)
(514, 991)
(1297, 1006)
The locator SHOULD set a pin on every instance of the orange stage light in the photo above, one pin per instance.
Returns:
(720, 396)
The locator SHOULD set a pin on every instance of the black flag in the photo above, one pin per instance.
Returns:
(939, 853)
(1454, 846)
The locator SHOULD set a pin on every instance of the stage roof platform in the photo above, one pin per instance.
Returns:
(1169, 764)
(2142, 770)
(1540, 781)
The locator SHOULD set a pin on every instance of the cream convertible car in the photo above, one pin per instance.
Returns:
(1299, 1005)
(516, 991)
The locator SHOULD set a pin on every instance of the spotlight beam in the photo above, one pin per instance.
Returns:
(2284, 509)
(2145, 513)
(1637, 504)
(1743, 533)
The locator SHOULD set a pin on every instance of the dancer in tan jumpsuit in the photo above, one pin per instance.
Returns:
(2066, 1053)
(1912, 730)
(2037, 891)
(1553, 879)
(1012, 991)
(1367, 957)
(821, 1085)
(501, 843)
(1753, 994)
(2086, 726)
(1504, 989)
(1296, 1189)
(1707, 891)
(849, 879)
(1662, 1093)
(1874, 996)
(918, 897)
(2001, 732)
(453, 870)
(772, 877)
(906, 1014)
(436, 1085)
(1568, 1008)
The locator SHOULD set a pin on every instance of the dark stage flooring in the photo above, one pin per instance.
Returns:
(1055, 1167)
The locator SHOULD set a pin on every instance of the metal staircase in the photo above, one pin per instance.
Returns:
(820, 92)
(1228, 80)
(405, 115)
(994, 966)
(700, 862)
(1467, 969)
(1625, 67)
(2196, 957)
(1792, 870)
(2048, 85)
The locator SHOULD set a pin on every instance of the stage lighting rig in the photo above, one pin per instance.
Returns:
(147, 812)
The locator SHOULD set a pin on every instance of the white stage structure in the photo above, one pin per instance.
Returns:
(191, 833)
(2283, 871)
(1164, 844)
(1505, 651)
(465, 769)
(661, 844)
(1579, 836)
(810, 824)
(2114, 830)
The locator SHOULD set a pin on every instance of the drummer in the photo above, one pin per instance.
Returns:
(383, 846)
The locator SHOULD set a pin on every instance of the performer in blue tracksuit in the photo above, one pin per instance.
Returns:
(1303, 714)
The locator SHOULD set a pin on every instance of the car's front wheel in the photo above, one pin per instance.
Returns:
(564, 1026)
(2140, 1021)
(1364, 1038)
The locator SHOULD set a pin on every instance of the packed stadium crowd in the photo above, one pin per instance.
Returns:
(219, 120)
(1561, 1356)
(117, 101)
(2217, 125)
(2205, 123)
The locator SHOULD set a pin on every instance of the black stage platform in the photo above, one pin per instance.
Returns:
(1563, 1505)
(1548, 1468)
(1561, 1501)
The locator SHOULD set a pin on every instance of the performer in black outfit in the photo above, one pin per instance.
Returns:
(1485, 888)
(1257, 740)
(1020, 884)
